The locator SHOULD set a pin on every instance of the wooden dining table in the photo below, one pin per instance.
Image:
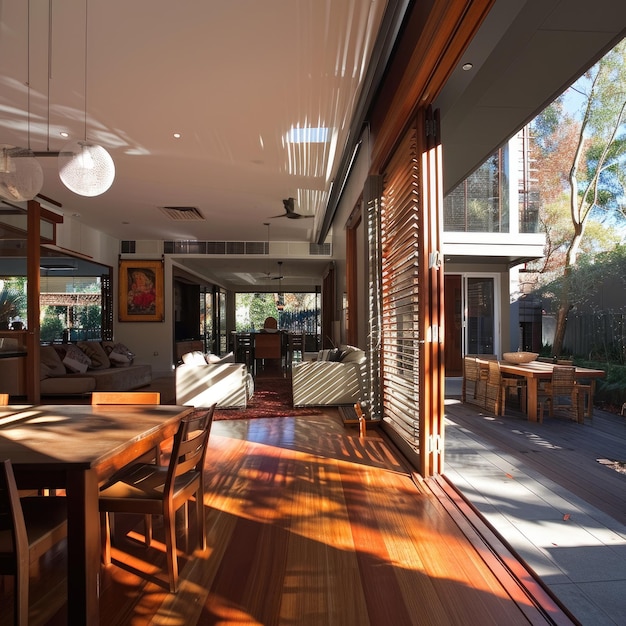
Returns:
(536, 371)
(76, 448)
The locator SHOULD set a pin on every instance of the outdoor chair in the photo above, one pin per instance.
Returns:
(148, 489)
(499, 387)
(29, 527)
(562, 393)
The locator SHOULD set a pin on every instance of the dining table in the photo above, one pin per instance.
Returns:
(77, 448)
(537, 371)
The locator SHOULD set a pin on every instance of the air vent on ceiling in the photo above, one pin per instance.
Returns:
(182, 213)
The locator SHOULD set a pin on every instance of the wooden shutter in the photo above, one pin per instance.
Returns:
(412, 294)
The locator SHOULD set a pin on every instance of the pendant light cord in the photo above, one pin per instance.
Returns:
(49, 74)
(86, 22)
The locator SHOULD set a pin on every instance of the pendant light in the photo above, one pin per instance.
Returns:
(86, 168)
(21, 176)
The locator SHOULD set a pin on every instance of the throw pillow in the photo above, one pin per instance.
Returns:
(75, 360)
(119, 354)
(51, 364)
(95, 351)
(193, 358)
(335, 355)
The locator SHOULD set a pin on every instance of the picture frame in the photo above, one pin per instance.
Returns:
(141, 291)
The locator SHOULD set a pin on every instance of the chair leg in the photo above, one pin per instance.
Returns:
(201, 521)
(147, 524)
(105, 525)
(169, 523)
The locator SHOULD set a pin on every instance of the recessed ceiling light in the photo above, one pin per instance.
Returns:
(467, 66)
(177, 135)
(64, 134)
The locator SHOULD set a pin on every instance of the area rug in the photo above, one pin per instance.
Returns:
(272, 398)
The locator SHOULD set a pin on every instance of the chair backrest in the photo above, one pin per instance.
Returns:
(4, 399)
(13, 538)
(296, 341)
(471, 368)
(270, 322)
(125, 397)
(190, 445)
(563, 377)
(495, 376)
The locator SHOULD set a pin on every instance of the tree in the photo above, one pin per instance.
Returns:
(583, 163)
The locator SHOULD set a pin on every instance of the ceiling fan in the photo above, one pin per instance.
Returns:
(290, 211)
(279, 275)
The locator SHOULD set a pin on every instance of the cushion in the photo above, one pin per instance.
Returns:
(323, 355)
(119, 354)
(95, 351)
(194, 358)
(335, 355)
(51, 364)
(75, 360)
(215, 358)
(352, 355)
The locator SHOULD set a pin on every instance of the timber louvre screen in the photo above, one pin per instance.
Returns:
(400, 282)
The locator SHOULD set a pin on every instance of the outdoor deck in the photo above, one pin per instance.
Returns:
(549, 490)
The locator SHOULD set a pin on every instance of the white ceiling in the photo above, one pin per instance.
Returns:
(233, 77)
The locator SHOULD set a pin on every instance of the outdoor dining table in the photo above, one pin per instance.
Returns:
(536, 371)
(76, 448)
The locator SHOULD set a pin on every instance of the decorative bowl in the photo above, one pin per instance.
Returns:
(519, 357)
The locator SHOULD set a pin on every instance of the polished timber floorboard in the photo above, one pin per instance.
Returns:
(310, 524)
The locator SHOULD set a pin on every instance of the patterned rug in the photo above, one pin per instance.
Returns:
(272, 398)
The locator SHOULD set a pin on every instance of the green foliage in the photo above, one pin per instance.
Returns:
(12, 303)
(52, 326)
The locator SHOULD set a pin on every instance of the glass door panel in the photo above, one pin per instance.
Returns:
(480, 328)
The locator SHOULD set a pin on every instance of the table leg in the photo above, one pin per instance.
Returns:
(531, 402)
(83, 548)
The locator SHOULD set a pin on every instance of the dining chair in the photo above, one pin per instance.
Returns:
(472, 389)
(561, 392)
(295, 344)
(130, 397)
(500, 386)
(29, 527)
(125, 397)
(148, 489)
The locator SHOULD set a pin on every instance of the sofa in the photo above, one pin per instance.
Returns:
(336, 377)
(71, 369)
(205, 379)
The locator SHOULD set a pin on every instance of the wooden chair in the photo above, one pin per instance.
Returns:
(244, 349)
(125, 397)
(130, 397)
(148, 489)
(500, 386)
(4, 399)
(29, 527)
(295, 345)
(561, 392)
(473, 386)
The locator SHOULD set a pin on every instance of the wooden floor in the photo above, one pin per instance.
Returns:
(310, 524)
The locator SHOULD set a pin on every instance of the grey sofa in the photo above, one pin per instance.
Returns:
(106, 370)
(326, 382)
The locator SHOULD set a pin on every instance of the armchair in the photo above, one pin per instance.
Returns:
(330, 383)
(226, 384)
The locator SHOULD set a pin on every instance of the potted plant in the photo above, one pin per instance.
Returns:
(11, 301)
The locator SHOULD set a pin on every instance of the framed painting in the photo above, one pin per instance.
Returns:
(141, 291)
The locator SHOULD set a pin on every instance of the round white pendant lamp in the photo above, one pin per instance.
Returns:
(86, 168)
(21, 176)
